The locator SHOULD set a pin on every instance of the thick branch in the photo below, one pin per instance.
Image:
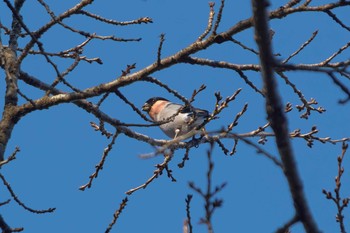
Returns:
(279, 14)
(9, 64)
(276, 115)
(93, 109)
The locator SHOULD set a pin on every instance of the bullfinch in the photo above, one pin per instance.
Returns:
(182, 121)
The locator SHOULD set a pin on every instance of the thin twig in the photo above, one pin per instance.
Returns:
(33, 41)
(218, 17)
(156, 173)
(100, 37)
(341, 203)
(60, 77)
(69, 53)
(287, 225)
(314, 34)
(210, 22)
(291, 3)
(37, 34)
(14, 196)
(86, 34)
(99, 166)
(188, 223)
(25, 97)
(237, 68)
(342, 87)
(340, 50)
(335, 18)
(166, 87)
(237, 117)
(260, 150)
(185, 158)
(243, 46)
(159, 51)
(210, 204)
(11, 157)
(141, 20)
(101, 128)
(233, 150)
(5, 202)
(222, 147)
(117, 214)
(134, 108)
(306, 104)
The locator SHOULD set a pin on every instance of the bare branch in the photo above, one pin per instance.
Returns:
(166, 87)
(33, 41)
(83, 33)
(60, 77)
(341, 203)
(276, 116)
(100, 37)
(210, 22)
(219, 16)
(291, 3)
(10, 158)
(16, 23)
(14, 196)
(156, 173)
(256, 138)
(260, 150)
(101, 128)
(325, 62)
(71, 53)
(117, 214)
(122, 97)
(243, 46)
(306, 104)
(314, 34)
(99, 166)
(221, 64)
(342, 87)
(5, 202)
(159, 52)
(187, 224)
(93, 109)
(3, 225)
(287, 225)
(281, 13)
(208, 195)
(47, 26)
(335, 18)
(185, 158)
(237, 117)
(141, 20)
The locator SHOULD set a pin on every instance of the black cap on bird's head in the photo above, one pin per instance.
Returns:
(149, 103)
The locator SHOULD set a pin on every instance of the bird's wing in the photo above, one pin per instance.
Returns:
(186, 113)
(199, 112)
(169, 110)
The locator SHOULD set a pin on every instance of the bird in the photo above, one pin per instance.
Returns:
(182, 118)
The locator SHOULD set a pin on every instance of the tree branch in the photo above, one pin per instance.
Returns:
(276, 116)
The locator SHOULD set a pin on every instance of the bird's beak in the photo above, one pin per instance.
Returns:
(146, 107)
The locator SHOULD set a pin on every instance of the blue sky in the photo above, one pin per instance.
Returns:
(59, 149)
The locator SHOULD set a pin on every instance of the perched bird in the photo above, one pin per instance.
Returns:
(183, 121)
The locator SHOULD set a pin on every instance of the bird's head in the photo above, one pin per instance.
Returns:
(149, 103)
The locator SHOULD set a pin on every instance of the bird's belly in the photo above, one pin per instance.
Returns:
(182, 124)
(170, 129)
